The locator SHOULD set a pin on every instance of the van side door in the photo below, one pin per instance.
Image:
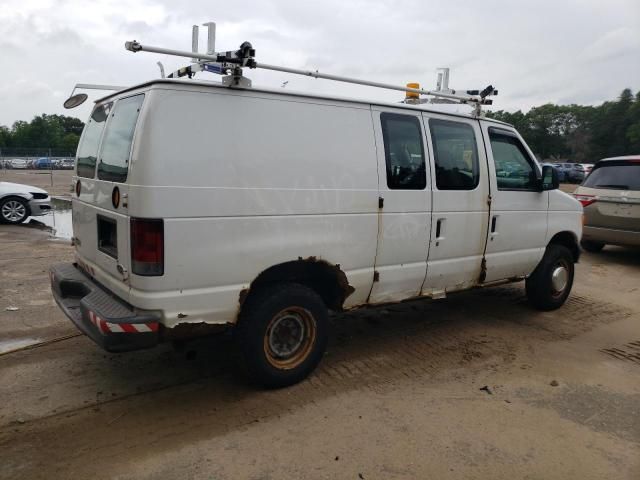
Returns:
(460, 204)
(404, 214)
(519, 208)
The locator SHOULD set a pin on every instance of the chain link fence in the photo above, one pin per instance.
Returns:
(47, 168)
(42, 158)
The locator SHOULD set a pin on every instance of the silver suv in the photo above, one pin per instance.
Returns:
(610, 197)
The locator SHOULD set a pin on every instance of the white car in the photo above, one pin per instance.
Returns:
(17, 202)
(199, 206)
(19, 163)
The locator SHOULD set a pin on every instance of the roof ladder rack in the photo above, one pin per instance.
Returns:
(231, 64)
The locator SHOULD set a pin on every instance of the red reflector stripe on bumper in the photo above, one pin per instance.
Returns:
(108, 327)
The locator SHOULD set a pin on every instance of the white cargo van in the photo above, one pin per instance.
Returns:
(198, 206)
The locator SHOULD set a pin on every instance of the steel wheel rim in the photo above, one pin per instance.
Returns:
(13, 211)
(289, 337)
(559, 278)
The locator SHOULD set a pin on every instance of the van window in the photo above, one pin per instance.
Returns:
(403, 151)
(116, 146)
(514, 168)
(455, 153)
(88, 148)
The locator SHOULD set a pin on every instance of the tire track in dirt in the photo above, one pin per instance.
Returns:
(372, 349)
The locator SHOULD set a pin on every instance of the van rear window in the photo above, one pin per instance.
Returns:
(615, 176)
(116, 146)
(88, 149)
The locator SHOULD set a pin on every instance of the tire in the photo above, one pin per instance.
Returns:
(546, 291)
(282, 334)
(13, 210)
(590, 246)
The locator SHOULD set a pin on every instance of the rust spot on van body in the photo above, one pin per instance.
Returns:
(327, 279)
(187, 330)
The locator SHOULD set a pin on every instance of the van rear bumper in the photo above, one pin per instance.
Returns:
(97, 313)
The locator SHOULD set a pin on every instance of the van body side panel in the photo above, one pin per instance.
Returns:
(518, 239)
(245, 181)
(565, 215)
(460, 216)
(405, 222)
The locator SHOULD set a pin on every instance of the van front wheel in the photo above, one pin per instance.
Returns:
(550, 283)
(282, 334)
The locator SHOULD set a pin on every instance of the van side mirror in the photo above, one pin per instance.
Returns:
(549, 179)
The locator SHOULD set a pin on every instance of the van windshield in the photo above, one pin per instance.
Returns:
(116, 146)
(88, 149)
(618, 176)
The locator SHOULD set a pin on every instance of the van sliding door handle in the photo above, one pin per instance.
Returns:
(439, 230)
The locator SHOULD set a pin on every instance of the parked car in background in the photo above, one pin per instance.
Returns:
(67, 164)
(562, 176)
(43, 163)
(610, 197)
(19, 163)
(566, 169)
(579, 172)
(17, 202)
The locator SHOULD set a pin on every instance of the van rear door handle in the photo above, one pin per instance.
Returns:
(494, 221)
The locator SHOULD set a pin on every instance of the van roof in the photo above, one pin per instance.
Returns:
(210, 84)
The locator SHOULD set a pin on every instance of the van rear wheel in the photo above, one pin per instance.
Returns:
(550, 283)
(282, 334)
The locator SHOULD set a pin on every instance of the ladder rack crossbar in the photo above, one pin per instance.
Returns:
(224, 57)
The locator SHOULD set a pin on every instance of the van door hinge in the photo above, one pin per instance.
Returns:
(489, 199)
(380, 202)
(376, 276)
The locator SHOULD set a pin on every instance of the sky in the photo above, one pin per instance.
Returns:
(533, 52)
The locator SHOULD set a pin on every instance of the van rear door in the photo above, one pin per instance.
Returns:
(100, 218)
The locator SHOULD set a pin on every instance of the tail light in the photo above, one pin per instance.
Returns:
(147, 246)
(585, 200)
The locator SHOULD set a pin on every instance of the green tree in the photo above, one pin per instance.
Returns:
(69, 142)
(5, 136)
(580, 133)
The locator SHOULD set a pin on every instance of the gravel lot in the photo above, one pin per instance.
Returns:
(56, 182)
(478, 385)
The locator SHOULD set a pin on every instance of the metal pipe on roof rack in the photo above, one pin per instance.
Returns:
(135, 46)
(92, 86)
(316, 74)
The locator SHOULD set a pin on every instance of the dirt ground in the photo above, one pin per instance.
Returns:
(56, 182)
(478, 385)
